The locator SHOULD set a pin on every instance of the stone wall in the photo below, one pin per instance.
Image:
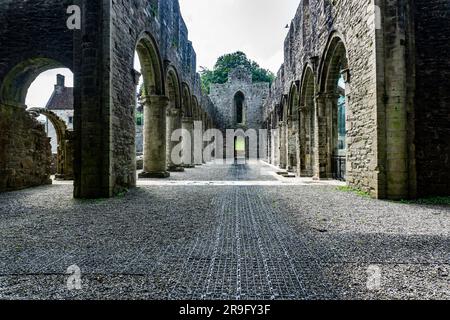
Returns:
(255, 94)
(306, 46)
(432, 98)
(34, 38)
(397, 93)
(25, 153)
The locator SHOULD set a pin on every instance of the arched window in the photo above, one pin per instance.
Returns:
(239, 102)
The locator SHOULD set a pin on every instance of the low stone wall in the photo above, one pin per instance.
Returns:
(25, 151)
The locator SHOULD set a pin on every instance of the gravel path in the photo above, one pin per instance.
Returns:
(222, 242)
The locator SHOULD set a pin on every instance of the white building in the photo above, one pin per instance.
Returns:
(60, 103)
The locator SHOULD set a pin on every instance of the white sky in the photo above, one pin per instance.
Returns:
(256, 27)
(216, 27)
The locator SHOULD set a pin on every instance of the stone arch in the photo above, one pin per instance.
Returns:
(174, 117)
(65, 140)
(18, 80)
(307, 123)
(187, 126)
(173, 91)
(186, 101)
(292, 128)
(155, 108)
(151, 64)
(195, 108)
(332, 103)
(239, 107)
(284, 105)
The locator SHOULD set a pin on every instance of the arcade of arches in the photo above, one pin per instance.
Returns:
(360, 102)
(337, 110)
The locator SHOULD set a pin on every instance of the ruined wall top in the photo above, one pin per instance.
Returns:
(240, 74)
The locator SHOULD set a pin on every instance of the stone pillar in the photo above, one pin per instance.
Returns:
(173, 123)
(198, 140)
(321, 167)
(188, 143)
(204, 130)
(155, 162)
(282, 140)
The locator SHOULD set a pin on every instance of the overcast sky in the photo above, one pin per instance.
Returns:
(256, 27)
(216, 27)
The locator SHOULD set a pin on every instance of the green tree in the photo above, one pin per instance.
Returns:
(228, 62)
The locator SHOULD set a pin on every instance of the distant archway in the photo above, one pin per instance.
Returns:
(65, 143)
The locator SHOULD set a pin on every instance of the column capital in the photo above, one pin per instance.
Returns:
(188, 120)
(155, 100)
(174, 112)
(327, 95)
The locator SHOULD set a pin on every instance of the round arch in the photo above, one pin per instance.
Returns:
(16, 83)
(292, 129)
(173, 91)
(64, 137)
(186, 101)
(151, 64)
(308, 123)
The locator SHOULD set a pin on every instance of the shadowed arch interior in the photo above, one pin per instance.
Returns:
(239, 106)
(17, 82)
(307, 124)
(150, 60)
(335, 76)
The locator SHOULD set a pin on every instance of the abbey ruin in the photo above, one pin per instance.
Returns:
(129, 196)
(363, 94)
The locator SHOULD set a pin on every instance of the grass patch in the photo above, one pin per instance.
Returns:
(436, 201)
(355, 191)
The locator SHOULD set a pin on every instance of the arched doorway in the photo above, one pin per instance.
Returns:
(240, 149)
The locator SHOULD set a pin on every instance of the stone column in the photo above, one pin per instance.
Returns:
(198, 138)
(173, 123)
(204, 130)
(322, 165)
(188, 143)
(155, 162)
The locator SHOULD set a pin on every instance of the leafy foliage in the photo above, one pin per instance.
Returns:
(228, 62)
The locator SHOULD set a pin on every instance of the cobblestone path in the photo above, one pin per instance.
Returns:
(221, 242)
